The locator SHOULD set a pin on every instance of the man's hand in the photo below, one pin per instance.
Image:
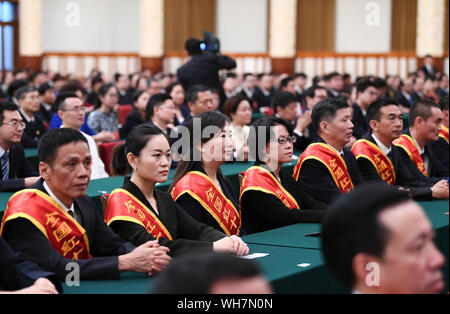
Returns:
(303, 121)
(231, 244)
(440, 190)
(40, 286)
(30, 181)
(148, 258)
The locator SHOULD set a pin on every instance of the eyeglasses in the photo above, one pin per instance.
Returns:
(284, 140)
(15, 124)
(77, 109)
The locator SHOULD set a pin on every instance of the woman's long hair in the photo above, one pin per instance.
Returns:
(190, 160)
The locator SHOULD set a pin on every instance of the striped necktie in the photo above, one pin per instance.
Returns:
(5, 167)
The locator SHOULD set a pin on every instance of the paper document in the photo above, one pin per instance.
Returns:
(255, 255)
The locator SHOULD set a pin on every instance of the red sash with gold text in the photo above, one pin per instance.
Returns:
(199, 186)
(259, 179)
(407, 143)
(365, 149)
(444, 133)
(336, 165)
(122, 205)
(64, 233)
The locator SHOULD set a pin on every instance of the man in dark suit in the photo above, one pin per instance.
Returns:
(123, 86)
(16, 172)
(366, 93)
(203, 67)
(264, 91)
(248, 86)
(46, 109)
(327, 169)
(440, 146)
(28, 98)
(56, 223)
(20, 276)
(428, 68)
(425, 118)
(442, 90)
(404, 95)
(418, 84)
(380, 161)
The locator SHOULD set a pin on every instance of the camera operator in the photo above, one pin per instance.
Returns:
(204, 65)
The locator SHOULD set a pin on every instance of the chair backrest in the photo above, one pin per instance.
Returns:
(123, 111)
(105, 150)
(104, 200)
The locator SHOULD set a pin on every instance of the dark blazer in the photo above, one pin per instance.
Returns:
(429, 73)
(45, 115)
(33, 132)
(317, 181)
(19, 169)
(441, 92)
(261, 99)
(359, 120)
(132, 120)
(440, 149)
(197, 211)
(419, 190)
(262, 211)
(186, 232)
(17, 273)
(105, 245)
(405, 102)
(437, 171)
(204, 69)
(125, 97)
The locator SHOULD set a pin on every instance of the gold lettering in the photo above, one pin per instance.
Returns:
(62, 231)
(69, 245)
(52, 219)
(210, 194)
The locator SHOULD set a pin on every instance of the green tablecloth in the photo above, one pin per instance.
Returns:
(280, 268)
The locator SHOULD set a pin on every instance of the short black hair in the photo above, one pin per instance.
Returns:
(192, 92)
(421, 108)
(52, 140)
(155, 101)
(45, 87)
(374, 110)
(284, 82)
(257, 144)
(6, 106)
(282, 99)
(192, 46)
(311, 92)
(351, 226)
(443, 103)
(363, 85)
(326, 109)
(195, 273)
(60, 101)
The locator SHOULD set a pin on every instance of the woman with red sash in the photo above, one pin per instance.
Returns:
(269, 196)
(198, 185)
(138, 212)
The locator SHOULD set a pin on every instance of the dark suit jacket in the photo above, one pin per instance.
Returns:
(19, 168)
(317, 181)
(262, 211)
(105, 245)
(405, 102)
(132, 120)
(361, 125)
(438, 171)
(186, 232)
(197, 211)
(17, 273)
(33, 132)
(428, 73)
(419, 190)
(440, 149)
(204, 69)
(261, 99)
(125, 97)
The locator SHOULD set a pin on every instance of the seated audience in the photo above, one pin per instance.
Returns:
(377, 240)
(440, 146)
(269, 197)
(138, 114)
(16, 172)
(155, 215)
(104, 118)
(366, 93)
(239, 110)
(47, 97)
(425, 118)
(198, 185)
(326, 169)
(28, 98)
(60, 224)
(264, 91)
(380, 161)
(199, 99)
(176, 91)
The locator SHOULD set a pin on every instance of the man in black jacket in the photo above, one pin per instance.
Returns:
(203, 67)
(16, 172)
(380, 161)
(56, 223)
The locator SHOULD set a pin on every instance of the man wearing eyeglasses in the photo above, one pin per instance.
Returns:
(72, 112)
(16, 172)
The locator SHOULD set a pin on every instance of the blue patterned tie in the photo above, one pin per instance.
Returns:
(5, 167)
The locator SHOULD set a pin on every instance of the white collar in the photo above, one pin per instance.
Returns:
(29, 119)
(49, 191)
(2, 151)
(340, 153)
(383, 148)
(421, 150)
